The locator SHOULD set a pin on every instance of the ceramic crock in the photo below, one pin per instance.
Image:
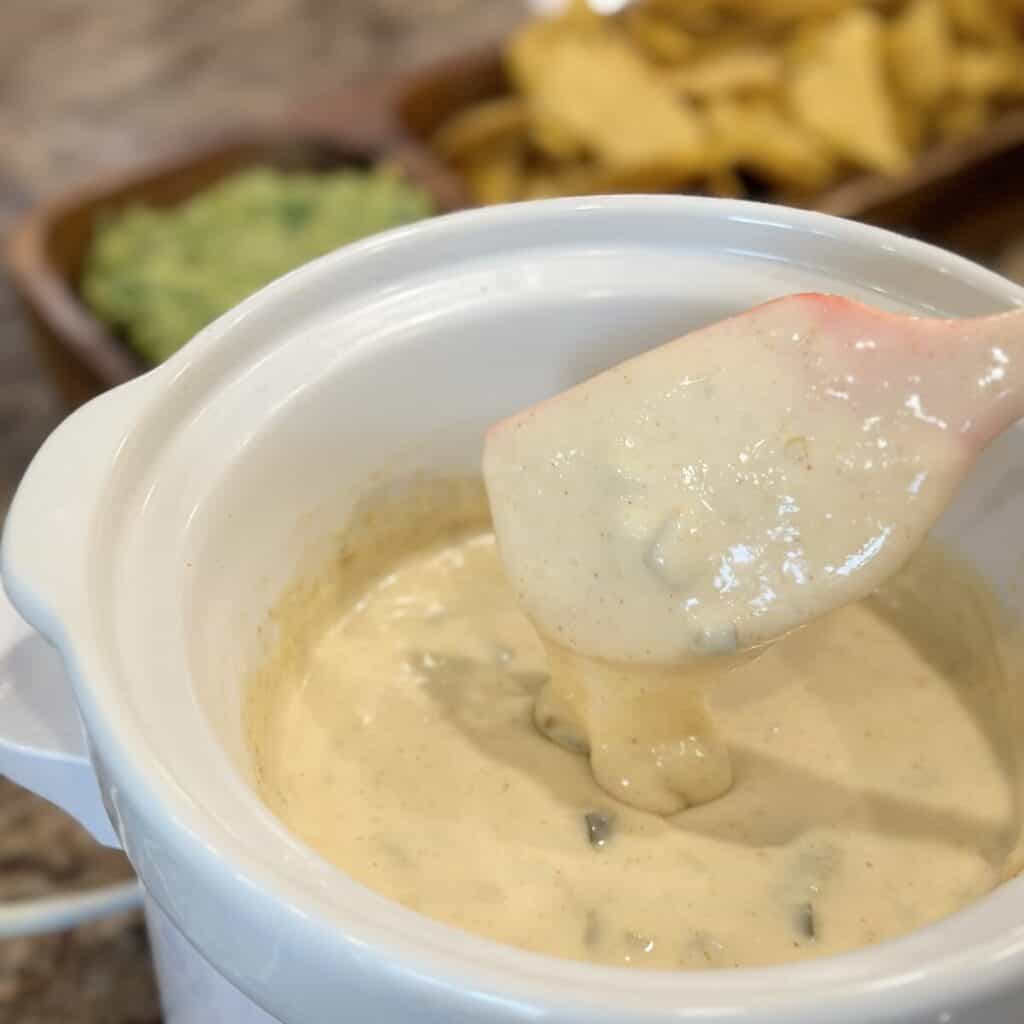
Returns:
(159, 523)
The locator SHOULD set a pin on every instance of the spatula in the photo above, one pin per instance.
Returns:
(722, 489)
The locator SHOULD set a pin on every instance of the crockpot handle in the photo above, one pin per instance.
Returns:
(45, 545)
(41, 743)
(44, 565)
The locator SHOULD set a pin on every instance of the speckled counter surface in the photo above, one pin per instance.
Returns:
(85, 87)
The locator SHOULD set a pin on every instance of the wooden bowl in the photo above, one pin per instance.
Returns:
(47, 249)
(959, 195)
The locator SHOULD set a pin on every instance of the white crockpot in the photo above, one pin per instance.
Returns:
(159, 523)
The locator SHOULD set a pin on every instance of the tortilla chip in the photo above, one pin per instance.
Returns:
(482, 126)
(963, 118)
(751, 69)
(495, 178)
(981, 73)
(601, 95)
(979, 19)
(726, 184)
(921, 51)
(658, 36)
(553, 136)
(756, 135)
(838, 90)
(585, 179)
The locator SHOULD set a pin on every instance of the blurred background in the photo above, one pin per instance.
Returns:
(161, 159)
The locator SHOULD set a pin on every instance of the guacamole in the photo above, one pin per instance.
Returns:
(159, 275)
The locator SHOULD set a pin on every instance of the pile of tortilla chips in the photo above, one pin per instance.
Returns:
(735, 97)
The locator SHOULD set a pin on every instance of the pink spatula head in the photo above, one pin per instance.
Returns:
(722, 489)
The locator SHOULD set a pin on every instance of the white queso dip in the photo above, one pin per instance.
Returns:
(872, 788)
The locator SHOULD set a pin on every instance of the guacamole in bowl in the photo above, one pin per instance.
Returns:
(159, 275)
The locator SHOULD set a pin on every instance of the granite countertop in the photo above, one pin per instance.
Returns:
(88, 87)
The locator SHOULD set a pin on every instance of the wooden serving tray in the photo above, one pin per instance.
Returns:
(47, 249)
(968, 197)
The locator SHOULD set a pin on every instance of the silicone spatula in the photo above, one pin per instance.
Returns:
(719, 490)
